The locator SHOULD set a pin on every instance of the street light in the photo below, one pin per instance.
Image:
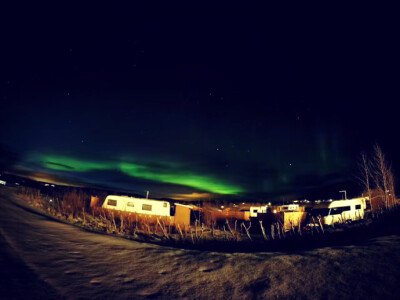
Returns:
(345, 194)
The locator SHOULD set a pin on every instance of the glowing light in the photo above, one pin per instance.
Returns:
(207, 183)
(162, 172)
(63, 163)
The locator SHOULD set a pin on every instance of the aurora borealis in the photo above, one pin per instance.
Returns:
(242, 110)
(209, 184)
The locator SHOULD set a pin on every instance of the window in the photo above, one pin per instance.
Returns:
(254, 210)
(112, 202)
(165, 204)
(336, 211)
(346, 208)
(339, 210)
(130, 204)
(146, 207)
(358, 206)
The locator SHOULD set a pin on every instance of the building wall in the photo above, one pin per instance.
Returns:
(182, 217)
(293, 219)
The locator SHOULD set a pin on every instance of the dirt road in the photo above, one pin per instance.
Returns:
(41, 258)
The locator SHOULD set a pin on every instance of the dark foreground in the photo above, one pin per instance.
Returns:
(43, 259)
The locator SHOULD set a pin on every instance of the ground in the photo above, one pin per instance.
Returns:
(42, 258)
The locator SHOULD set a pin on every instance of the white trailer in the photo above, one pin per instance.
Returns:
(138, 205)
(339, 211)
(254, 210)
(365, 202)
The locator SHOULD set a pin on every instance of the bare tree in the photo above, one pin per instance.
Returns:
(382, 174)
(365, 175)
(391, 188)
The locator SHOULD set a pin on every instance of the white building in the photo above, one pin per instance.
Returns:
(254, 210)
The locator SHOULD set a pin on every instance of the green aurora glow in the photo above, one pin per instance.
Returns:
(167, 173)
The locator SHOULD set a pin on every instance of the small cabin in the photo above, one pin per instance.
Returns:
(182, 215)
(138, 205)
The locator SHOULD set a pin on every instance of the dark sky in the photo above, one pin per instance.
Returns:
(247, 102)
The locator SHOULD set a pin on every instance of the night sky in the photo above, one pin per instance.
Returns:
(247, 103)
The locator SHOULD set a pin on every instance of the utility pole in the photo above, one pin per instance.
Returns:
(345, 194)
(147, 195)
